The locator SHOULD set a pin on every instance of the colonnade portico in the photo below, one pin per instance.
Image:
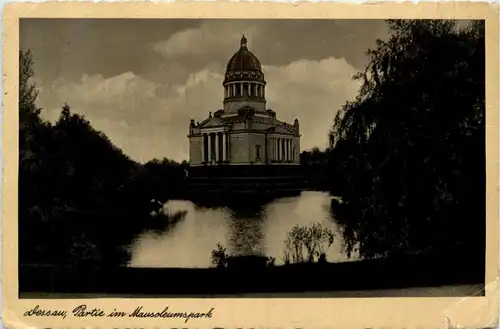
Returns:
(215, 147)
(283, 149)
(240, 89)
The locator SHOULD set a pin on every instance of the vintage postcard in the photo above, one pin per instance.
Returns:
(250, 165)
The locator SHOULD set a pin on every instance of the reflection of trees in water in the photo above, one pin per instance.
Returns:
(346, 226)
(162, 222)
(245, 228)
(237, 203)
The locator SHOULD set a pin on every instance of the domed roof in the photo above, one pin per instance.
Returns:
(243, 59)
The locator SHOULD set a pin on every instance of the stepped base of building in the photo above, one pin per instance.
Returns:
(252, 181)
(250, 171)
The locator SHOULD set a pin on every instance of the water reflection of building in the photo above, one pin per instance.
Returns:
(244, 139)
(245, 234)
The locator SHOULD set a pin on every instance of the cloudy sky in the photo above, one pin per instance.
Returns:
(141, 81)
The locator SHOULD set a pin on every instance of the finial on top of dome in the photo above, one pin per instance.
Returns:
(243, 41)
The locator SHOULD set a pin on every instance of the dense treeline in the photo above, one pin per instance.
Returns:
(316, 168)
(408, 155)
(80, 198)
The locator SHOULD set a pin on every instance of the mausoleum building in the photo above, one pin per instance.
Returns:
(244, 131)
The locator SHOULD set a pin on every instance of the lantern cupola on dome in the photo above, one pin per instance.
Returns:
(244, 83)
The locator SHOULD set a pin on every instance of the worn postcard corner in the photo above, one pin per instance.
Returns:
(263, 165)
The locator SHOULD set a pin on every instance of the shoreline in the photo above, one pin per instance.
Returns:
(357, 276)
(441, 291)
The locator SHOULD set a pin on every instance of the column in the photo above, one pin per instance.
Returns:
(233, 87)
(275, 143)
(241, 89)
(271, 153)
(217, 155)
(289, 150)
(276, 149)
(224, 149)
(221, 146)
(283, 149)
(279, 149)
(209, 148)
(286, 149)
(203, 136)
(228, 147)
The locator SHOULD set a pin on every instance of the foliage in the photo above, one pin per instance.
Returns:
(219, 256)
(271, 261)
(81, 199)
(315, 166)
(156, 176)
(82, 251)
(307, 243)
(409, 151)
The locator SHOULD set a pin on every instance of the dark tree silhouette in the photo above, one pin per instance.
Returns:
(81, 199)
(409, 152)
(315, 167)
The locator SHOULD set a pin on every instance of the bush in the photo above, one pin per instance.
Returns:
(308, 244)
(219, 256)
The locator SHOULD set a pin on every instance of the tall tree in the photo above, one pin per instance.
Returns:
(409, 150)
(34, 136)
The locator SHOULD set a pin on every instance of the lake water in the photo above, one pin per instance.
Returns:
(252, 230)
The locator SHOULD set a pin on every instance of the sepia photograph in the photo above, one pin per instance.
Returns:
(251, 157)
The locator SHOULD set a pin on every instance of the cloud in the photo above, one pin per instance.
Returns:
(313, 91)
(150, 120)
(212, 40)
(195, 42)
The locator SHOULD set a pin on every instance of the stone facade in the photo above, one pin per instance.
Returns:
(244, 132)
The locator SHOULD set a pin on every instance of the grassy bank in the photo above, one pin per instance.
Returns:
(442, 291)
(298, 278)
